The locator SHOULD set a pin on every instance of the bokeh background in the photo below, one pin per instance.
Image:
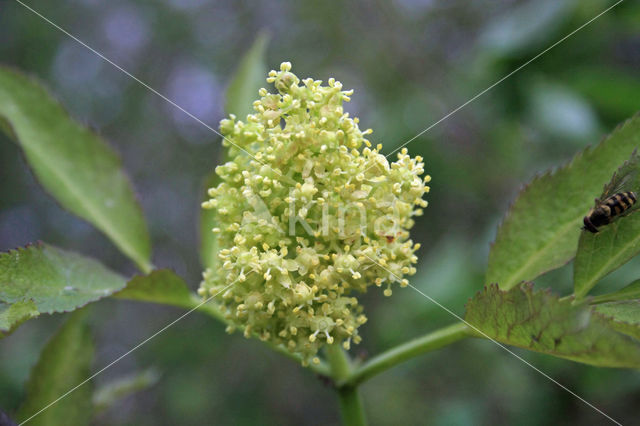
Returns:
(410, 63)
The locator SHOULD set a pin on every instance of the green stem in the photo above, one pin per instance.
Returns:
(351, 409)
(432, 341)
(339, 362)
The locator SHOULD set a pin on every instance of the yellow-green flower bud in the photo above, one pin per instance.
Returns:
(309, 215)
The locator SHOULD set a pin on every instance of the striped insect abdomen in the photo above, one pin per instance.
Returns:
(620, 202)
(605, 212)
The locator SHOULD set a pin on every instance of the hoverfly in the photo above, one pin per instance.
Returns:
(619, 197)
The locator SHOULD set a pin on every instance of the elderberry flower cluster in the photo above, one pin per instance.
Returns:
(308, 216)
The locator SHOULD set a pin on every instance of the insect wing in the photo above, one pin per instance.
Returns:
(626, 178)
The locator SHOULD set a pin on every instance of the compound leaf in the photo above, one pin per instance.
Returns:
(160, 286)
(64, 363)
(539, 321)
(625, 316)
(632, 291)
(601, 253)
(541, 230)
(12, 315)
(44, 279)
(77, 167)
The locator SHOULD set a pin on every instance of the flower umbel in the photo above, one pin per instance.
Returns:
(301, 217)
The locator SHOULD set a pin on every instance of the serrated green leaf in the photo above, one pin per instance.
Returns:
(539, 321)
(160, 286)
(112, 392)
(54, 280)
(64, 363)
(632, 291)
(12, 315)
(542, 227)
(248, 79)
(615, 244)
(74, 164)
(601, 253)
(625, 316)
(208, 240)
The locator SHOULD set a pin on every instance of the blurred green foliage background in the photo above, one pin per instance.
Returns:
(410, 63)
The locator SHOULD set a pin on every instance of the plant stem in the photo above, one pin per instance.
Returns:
(340, 365)
(432, 341)
(351, 409)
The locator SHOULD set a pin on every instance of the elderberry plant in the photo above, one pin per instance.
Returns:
(304, 215)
